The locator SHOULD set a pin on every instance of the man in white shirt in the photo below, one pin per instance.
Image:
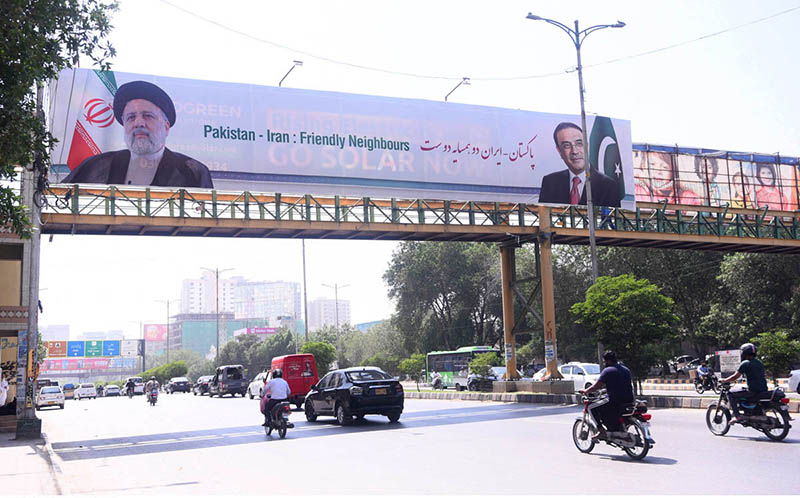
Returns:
(276, 390)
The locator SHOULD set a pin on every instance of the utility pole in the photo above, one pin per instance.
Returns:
(216, 272)
(336, 288)
(168, 330)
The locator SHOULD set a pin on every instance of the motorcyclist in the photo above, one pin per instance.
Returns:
(151, 384)
(276, 390)
(753, 370)
(702, 373)
(435, 376)
(617, 381)
(130, 386)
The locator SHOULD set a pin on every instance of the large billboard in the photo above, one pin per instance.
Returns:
(123, 128)
(155, 332)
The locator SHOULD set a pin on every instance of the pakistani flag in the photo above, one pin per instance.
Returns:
(95, 118)
(604, 151)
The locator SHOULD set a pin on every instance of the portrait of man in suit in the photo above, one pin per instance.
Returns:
(569, 185)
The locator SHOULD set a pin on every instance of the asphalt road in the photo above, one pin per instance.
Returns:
(190, 445)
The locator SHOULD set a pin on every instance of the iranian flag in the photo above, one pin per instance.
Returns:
(604, 151)
(95, 118)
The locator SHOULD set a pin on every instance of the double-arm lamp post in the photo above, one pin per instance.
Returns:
(578, 36)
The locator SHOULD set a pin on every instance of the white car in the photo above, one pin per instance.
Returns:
(138, 387)
(50, 396)
(257, 386)
(85, 391)
(112, 390)
(582, 374)
(794, 381)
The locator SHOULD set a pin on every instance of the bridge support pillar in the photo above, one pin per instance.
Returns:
(548, 301)
(507, 271)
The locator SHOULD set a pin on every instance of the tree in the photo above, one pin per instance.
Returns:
(324, 355)
(40, 37)
(414, 367)
(389, 364)
(481, 364)
(630, 317)
(777, 351)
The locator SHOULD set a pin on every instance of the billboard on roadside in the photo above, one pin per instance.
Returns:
(56, 349)
(155, 332)
(133, 129)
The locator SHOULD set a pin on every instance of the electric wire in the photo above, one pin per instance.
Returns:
(480, 78)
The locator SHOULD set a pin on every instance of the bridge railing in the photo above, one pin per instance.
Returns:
(646, 218)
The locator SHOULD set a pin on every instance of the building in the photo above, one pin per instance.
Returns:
(268, 300)
(54, 333)
(322, 312)
(200, 295)
(197, 331)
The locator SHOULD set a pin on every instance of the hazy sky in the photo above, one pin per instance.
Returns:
(732, 91)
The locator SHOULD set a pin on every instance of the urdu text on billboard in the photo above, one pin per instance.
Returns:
(123, 128)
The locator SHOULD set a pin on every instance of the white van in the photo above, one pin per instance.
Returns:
(85, 391)
(138, 387)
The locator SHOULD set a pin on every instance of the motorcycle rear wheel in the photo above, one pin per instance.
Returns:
(282, 428)
(584, 445)
(642, 445)
(698, 386)
(716, 387)
(777, 433)
(718, 424)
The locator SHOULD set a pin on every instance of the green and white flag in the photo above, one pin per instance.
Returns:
(604, 151)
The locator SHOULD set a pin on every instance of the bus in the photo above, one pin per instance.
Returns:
(453, 366)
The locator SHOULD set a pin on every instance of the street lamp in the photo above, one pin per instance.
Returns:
(464, 81)
(294, 65)
(578, 36)
(167, 303)
(216, 272)
(336, 288)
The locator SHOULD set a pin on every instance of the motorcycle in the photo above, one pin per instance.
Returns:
(770, 414)
(709, 382)
(130, 392)
(635, 437)
(153, 397)
(279, 418)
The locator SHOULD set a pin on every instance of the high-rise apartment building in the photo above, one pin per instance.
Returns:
(200, 295)
(322, 312)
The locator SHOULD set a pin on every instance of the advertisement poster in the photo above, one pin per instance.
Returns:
(145, 130)
(155, 333)
(132, 348)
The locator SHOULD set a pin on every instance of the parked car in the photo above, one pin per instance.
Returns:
(229, 379)
(680, 365)
(794, 381)
(356, 391)
(201, 385)
(299, 371)
(86, 390)
(138, 384)
(112, 390)
(256, 388)
(582, 374)
(49, 396)
(496, 373)
(178, 384)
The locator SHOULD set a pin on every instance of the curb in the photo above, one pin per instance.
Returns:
(55, 470)
(572, 399)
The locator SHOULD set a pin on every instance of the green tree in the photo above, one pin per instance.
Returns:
(631, 317)
(777, 351)
(481, 364)
(40, 37)
(389, 364)
(324, 355)
(414, 367)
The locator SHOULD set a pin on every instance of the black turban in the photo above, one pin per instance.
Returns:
(146, 91)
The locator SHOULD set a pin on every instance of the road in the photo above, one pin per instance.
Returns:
(189, 445)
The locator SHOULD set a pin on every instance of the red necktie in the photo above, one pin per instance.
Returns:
(574, 194)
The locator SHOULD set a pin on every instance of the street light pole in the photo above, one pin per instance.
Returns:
(168, 315)
(577, 36)
(335, 288)
(216, 272)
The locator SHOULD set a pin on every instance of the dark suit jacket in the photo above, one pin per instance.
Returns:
(556, 187)
(110, 168)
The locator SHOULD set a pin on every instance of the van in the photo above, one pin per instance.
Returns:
(138, 385)
(228, 379)
(299, 371)
(86, 390)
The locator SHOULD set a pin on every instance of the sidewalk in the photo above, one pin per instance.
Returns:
(25, 467)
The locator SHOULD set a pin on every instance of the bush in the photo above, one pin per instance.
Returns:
(483, 362)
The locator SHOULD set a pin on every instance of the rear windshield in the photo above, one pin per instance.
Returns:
(50, 390)
(233, 373)
(180, 379)
(87, 385)
(136, 380)
(368, 375)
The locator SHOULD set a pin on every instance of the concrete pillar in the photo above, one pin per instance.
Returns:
(507, 271)
(548, 301)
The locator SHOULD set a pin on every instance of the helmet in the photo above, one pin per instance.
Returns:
(610, 356)
(277, 373)
(748, 348)
(153, 378)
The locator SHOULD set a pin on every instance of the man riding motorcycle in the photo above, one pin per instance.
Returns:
(276, 390)
(753, 370)
(148, 388)
(617, 381)
(702, 373)
(130, 386)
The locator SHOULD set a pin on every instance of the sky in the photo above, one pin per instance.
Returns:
(715, 74)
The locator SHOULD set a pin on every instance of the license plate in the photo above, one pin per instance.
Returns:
(382, 391)
(51, 402)
(784, 408)
(286, 416)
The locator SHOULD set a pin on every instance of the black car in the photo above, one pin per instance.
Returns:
(178, 385)
(229, 379)
(356, 391)
(201, 385)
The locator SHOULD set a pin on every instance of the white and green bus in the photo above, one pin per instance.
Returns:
(453, 366)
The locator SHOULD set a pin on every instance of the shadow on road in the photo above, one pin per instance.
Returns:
(324, 427)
